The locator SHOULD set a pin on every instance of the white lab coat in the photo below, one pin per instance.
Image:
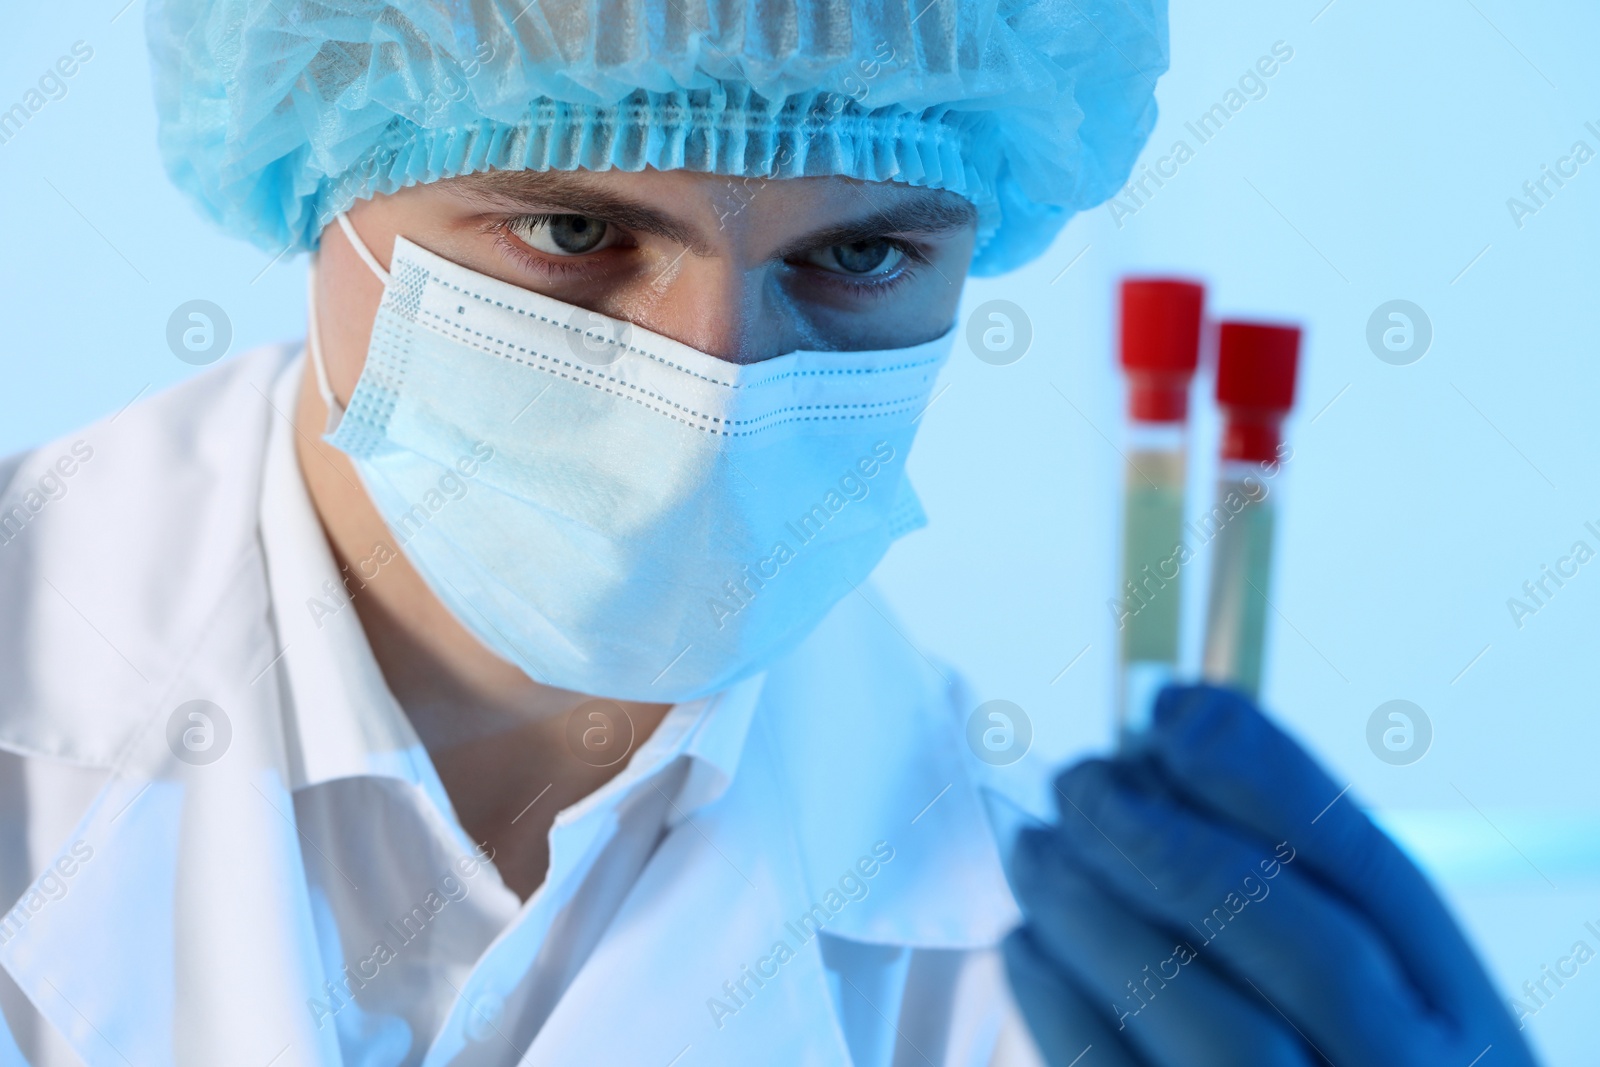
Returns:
(167, 919)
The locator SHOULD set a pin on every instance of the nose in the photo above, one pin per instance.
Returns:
(737, 314)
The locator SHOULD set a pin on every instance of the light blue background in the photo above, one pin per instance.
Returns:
(1420, 498)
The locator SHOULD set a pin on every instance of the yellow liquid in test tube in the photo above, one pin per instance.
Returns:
(1150, 600)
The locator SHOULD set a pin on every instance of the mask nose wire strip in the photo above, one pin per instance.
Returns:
(314, 347)
(361, 248)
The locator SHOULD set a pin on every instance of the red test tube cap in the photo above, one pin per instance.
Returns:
(1256, 367)
(1160, 345)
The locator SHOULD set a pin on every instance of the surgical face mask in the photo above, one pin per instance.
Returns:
(612, 511)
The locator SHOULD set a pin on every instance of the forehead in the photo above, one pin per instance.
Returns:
(700, 211)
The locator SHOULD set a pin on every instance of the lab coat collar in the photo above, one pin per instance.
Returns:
(852, 817)
(342, 720)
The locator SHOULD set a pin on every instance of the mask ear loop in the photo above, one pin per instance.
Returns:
(361, 248)
(313, 341)
(314, 347)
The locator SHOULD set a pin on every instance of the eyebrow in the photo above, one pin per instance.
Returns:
(923, 212)
(580, 197)
(920, 211)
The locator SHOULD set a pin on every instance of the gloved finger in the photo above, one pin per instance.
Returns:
(1067, 1030)
(1270, 926)
(1215, 746)
(1167, 1002)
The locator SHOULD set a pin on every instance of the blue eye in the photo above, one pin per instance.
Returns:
(562, 235)
(876, 256)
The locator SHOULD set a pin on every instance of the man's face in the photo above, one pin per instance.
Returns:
(743, 269)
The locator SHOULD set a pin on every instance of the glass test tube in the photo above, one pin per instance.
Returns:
(1160, 346)
(1241, 566)
(1149, 610)
(1256, 366)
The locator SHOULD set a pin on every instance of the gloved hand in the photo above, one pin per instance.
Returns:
(1212, 900)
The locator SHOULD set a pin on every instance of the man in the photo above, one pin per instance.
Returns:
(489, 681)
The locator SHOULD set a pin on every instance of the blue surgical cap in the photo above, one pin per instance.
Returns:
(277, 115)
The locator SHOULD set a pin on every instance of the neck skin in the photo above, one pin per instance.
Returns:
(496, 737)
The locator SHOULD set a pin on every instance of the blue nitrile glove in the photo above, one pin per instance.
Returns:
(1208, 901)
